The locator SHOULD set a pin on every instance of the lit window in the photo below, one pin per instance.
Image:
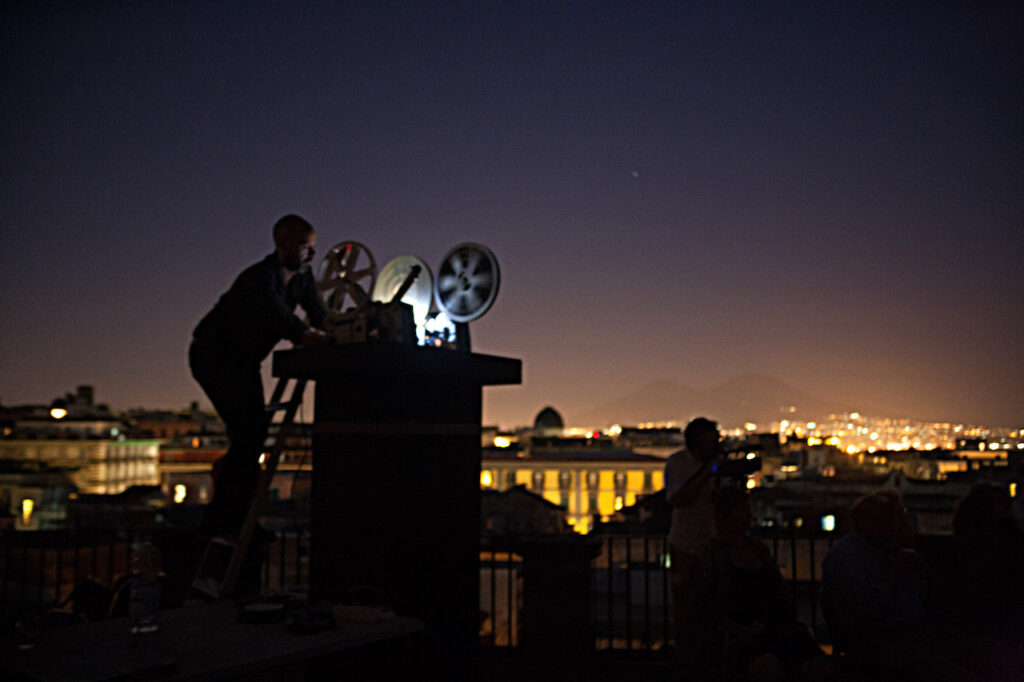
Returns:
(828, 523)
(27, 505)
(486, 479)
(180, 491)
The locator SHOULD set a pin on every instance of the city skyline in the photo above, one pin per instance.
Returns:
(827, 195)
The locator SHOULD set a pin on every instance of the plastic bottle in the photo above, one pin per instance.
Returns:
(144, 602)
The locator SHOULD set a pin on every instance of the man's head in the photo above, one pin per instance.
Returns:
(294, 239)
(702, 438)
(879, 518)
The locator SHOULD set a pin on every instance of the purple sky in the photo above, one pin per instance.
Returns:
(828, 193)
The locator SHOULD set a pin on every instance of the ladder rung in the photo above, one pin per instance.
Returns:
(213, 587)
(224, 542)
(209, 586)
(277, 407)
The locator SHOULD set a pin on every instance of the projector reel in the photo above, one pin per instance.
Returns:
(347, 272)
(467, 282)
(419, 292)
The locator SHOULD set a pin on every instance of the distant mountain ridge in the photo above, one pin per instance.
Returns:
(745, 398)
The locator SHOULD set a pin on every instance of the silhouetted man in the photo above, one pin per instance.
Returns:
(230, 343)
(872, 583)
(689, 477)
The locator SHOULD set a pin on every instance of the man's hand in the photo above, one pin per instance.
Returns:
(314, 338)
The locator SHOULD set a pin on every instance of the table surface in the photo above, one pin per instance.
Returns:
(204, 642)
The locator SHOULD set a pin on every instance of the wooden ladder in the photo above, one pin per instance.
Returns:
(206, 583)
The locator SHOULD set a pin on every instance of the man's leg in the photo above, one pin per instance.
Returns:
(237, 394)
(683, 576)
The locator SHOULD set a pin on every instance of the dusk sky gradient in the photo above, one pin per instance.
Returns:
(829, 193)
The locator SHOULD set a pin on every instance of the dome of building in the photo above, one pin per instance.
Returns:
(548, 420)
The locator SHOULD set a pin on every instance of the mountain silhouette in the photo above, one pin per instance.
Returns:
(746, 398)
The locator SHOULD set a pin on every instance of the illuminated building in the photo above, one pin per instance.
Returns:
(166, 424)
(33, 496)
(589, 480)
(76, 434)
(100, 465)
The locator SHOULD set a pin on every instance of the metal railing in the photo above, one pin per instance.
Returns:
(501, 592)
(286, 561)
(40, 570)
(630, 583)
(631, 593)
(631, 590)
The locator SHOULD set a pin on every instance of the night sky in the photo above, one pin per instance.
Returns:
(829, 193)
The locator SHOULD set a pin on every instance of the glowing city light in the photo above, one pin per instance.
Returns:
(502, 442)
(58, 412)
(27, 505)
(180, 491)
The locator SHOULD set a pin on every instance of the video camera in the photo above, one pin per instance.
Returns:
(737, 461)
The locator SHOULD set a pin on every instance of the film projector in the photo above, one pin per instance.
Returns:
(396, 305)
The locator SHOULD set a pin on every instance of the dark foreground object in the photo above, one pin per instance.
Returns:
(211, 642)
(396, 485)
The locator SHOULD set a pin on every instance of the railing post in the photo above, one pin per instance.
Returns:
(629, 593)
(666, 626)
(647, 592)
(557, 629)
(814, 588)
(792, 566)
(610, 547)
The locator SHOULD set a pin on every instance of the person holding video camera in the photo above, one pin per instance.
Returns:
(690, 478)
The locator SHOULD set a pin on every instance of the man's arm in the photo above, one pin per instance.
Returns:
(309, 300)
(685, 478)
(687, 490)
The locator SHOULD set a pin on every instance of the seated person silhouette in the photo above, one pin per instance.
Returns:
(747, 615)
(988, 589)
(873, 582)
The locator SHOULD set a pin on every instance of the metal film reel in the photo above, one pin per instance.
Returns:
(467, 282)
(347, 272)
(420, 293)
